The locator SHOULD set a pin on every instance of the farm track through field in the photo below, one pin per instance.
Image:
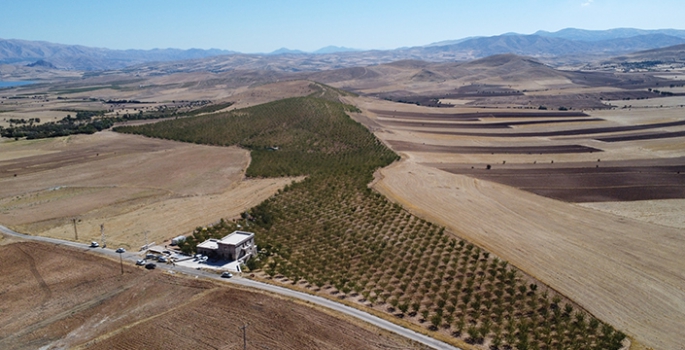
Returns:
(36, 274)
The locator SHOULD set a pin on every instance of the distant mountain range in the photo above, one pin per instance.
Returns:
(599, 35)
(78, 57)
(564, 43)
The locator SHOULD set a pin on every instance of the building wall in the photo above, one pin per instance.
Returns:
(230, 252)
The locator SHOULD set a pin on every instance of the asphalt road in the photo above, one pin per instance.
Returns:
(131, 257)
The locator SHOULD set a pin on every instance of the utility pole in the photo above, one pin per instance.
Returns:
(244, 327)
(121, 262)
(102, 232)
(75, 231)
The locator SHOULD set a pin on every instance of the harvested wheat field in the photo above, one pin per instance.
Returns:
(56, 298)
(619, 257)
(129, 183)
(626, 272)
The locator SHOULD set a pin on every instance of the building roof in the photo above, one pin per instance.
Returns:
(209, 244)
(237, 237)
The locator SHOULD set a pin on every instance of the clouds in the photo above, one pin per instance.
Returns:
(587, 3)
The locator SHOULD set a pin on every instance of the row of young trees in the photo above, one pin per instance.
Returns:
(332, 234)
(85, 122)
(89, 122)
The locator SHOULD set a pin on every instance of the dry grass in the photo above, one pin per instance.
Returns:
(130, 183)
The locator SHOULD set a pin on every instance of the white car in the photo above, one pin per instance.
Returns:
(226, 274)
(140, 262)
(94, 244)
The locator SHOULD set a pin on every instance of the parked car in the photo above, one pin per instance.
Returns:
(150, 266)
(140, 262)
(150, 256)
(121, 250)
(162, 259)
(94, 244)
(226, 274)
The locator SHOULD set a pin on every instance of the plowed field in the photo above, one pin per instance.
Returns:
(55, 298)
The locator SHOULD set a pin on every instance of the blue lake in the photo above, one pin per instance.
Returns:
(6, 84)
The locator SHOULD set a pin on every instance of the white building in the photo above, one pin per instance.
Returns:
(239, 245)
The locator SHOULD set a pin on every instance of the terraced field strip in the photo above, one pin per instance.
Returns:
(600, 182)
(476, 116)
(405, 146)
(499, 125)
(569, 132)
(640, 137)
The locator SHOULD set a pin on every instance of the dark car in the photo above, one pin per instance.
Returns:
(150, 266)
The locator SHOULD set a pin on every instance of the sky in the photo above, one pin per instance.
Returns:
(255, 26)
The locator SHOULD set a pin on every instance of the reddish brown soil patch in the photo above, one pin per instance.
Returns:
(64, 296)
(663, 135)
(404, 146)
(571, 132)
(500, 125)
(215, 321)
(476, 116)
(599, 182)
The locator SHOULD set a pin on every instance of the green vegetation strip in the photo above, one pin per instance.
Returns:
(331, 233)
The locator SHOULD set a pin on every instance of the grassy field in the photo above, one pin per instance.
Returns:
(333, 235)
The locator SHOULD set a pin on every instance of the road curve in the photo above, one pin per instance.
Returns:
(347, 310)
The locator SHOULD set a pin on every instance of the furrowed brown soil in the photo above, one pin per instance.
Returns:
(476, 116)
(215, 321)
(404, 146)
(500, 125)
(60, 296)
(55, 297)
(587, 182)
(569, 132)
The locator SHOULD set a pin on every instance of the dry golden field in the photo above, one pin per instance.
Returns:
(621, 261)
(130, 184)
